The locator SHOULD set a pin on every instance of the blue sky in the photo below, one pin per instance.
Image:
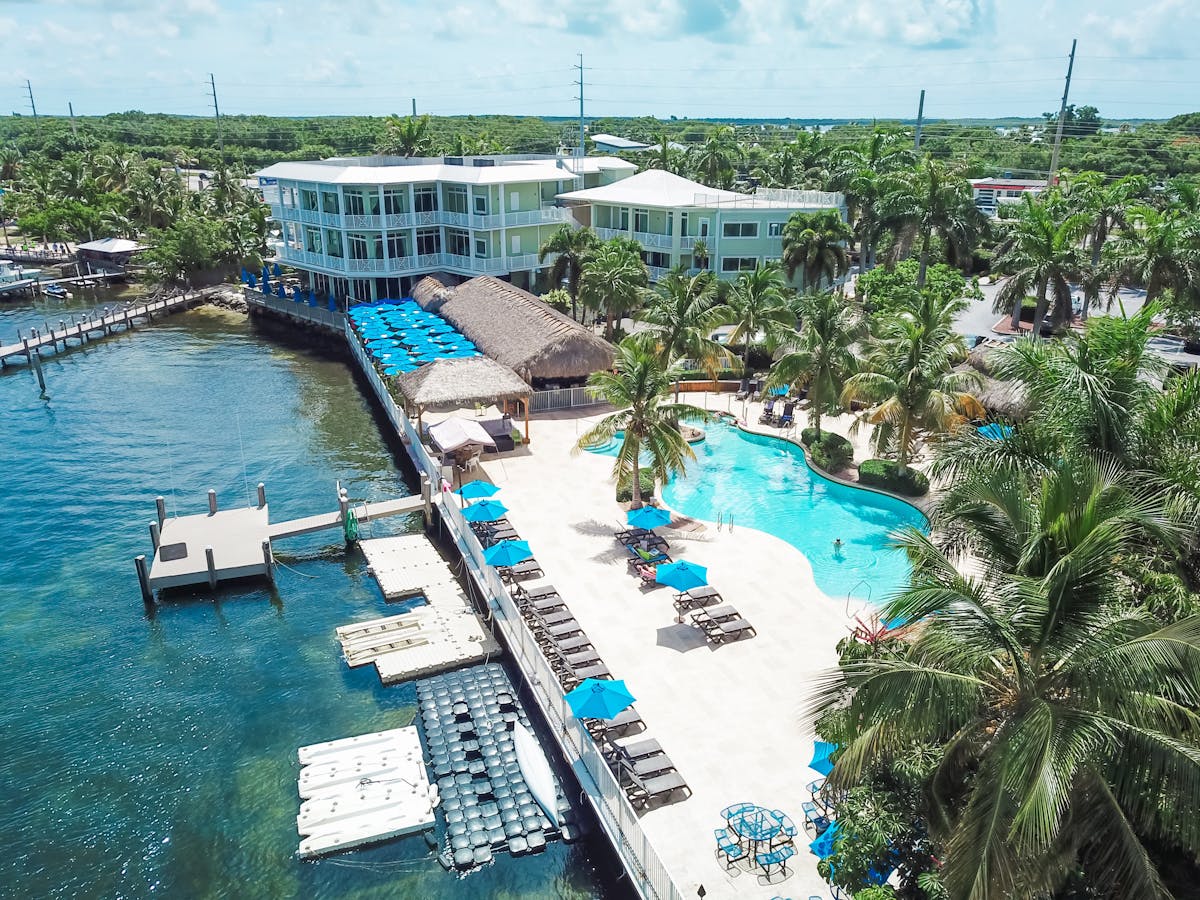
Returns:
(753, 58)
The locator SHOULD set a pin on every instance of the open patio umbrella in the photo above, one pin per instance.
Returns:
(276, 270)
(682, 576)
(822, 847)
(506, 553)
(597, 698)
(474, 490)
(994, 431)
(485, 511)
(648, 517)
(821, 762)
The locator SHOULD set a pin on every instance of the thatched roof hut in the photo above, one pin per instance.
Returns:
(1003, 399)
(517, 329)
(459, 383)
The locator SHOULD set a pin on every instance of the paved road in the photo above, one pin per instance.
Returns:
(979, 317)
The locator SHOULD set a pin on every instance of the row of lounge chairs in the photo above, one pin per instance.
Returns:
(645, 772)
(719, 621)
(490, 533)
(784, 419)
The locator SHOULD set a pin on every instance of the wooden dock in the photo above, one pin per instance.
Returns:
(79, 331)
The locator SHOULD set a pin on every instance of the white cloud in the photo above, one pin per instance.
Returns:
(915, 23)
(1165, 26)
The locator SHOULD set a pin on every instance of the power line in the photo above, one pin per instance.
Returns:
(217, 113)
(1062, 113)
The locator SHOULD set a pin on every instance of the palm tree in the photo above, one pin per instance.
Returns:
(405, 136)
(1106, 205)
(714, 160)
(931, 199)
(860, 172)
(10, 163)
(819, 356)
(908, 379)
(638, 388)
(1159, 251)
(664, 156)
(680, 314)
(758, 304)
(613, 280)
(815, 244)
(700, 254)
(1042, 253)
(572, 246)
(1063, 715)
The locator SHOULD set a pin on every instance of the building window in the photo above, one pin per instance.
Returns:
(624, 220)
(308, 200)
(456, 199)
(397, 246)
(641, 220)
(425, 199)
(481, 247)
(458, 241)
(429, 240)
(395, 201)
(481, 205)
(333, 243)
(358, 246)
(355, 204)
(656, 259)
(312, 240)
(739, 229)
(329, 203)
(738, 264)
(683, 224)
(774, 229)
(287, 196)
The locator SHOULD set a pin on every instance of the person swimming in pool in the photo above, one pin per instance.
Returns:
(837, 548)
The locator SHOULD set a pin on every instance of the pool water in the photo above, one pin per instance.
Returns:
(765, 483)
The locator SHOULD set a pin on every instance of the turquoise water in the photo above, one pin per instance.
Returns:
(155, 754)
(765, 483)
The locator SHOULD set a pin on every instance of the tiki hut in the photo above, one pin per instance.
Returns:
(517, 329)
(461, 383)
(1004, 399)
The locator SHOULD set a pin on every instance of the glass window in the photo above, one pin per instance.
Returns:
(425, 199)
(312, 240)
(308, 199)
(656, 259)
(358, 246)
(481, 247)
(456, 199)
(333, 241)
(738, 264)
(355, 204)
(429, 240)
(481, 205)
(458, 241)
(287, 196)
(641, 220)
(395, 201)
(774, 229)
(397, 246)
(624, 219)
(683, 224)
(329, 203)
(739, 229)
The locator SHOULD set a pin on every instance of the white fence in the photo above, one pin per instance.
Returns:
(563, 398)
(318, 315)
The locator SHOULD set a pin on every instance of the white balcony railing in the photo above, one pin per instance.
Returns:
(364, 221)
(657, 273)
(650, 239)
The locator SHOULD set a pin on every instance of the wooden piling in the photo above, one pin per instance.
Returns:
(212, 502)
(212, 567)
(262, 495)
(143, 574)
(269, 559)
(427, 499)
(41, 376)
(154, 535)
(160, 504)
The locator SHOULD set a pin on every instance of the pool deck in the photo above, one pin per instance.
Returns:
(731, 718)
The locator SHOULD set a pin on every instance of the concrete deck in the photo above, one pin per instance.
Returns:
(731, 718)
(235, 535)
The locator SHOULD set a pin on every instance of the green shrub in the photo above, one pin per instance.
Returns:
(831, 453)
(625, 489)
(883, 473)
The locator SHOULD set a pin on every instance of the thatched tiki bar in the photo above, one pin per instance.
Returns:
(517, 329)
(462, 383)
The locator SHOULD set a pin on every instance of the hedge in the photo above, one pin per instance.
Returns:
(831, 453)
(883, 473)
(624, 488)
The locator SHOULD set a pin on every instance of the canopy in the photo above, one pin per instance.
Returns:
(994, 431)
(821, 762)
(822, 847)
(683, 576)
(507, 553)
(473, 490)
(457, 432)
(648, 517)
(597, 698)
(485, 511)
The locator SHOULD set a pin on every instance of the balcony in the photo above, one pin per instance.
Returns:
(427, 262)
(657, 273)
(650, 239)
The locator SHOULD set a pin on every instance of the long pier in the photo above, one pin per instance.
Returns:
(77, 332)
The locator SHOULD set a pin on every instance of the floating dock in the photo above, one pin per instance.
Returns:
(442, 633)
(363, 789)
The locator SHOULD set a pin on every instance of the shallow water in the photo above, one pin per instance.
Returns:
(155, 754)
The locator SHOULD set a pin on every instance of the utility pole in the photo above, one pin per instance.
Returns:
(32, 105)
(414, 100)
(71, 110)
(1062, 114)
(581, 133)
(212, 82)
(920, 119)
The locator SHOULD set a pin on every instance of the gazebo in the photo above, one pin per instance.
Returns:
(458, 383)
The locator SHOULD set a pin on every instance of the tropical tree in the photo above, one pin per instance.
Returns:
(795, 164)
(679, 317)
(1041, 251)
(758, 305)
(908, 381)
(820, 356)
(405, 136)
(1159, 250)
(639, 387)
(664, 155)
(10, 163)
(815, 245)
(860, 173)
(715, 159)
(571, 246)
(613, 280)
(1064, 716)
(1106, 204)
(931, 199)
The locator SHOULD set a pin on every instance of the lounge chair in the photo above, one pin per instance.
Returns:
(720, 632)
(778, 857)
(573, 643)
(635, 536)
(743, 390)
(728, 847)
(495, 537)
(646, 766)
(561, 630)
(786, 420)
(533, 591)
(578, 659)
(626, 722)
(767, 417)
(696, 598)
(637, 555)
(527, 569)
(648, 574)
(545, 605)
(714, 614)
(638, 749)
(572, 678)
(645, 791)
(551, 620)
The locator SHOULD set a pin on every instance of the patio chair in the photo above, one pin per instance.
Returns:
(814, 788)
(642, 767)
(638, 555)
(743, 390)
(648, 574)
(638, 749)
(815, 817)
(721, 632)
(548, 622)
(533, 591)
(572, 644)
(728, 847)
(775, 858)
(579, 659)
(571, 678)
(737, 809)
(701, 596)
(787, 829)
(786, 420)
(767, 416)
(714, 615)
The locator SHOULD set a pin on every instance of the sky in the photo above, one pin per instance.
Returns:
(856, 59)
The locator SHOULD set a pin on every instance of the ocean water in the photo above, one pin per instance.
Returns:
(765, 483)
(153, 753)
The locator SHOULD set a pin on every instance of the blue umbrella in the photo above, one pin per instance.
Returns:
(487, 511)
(648, 517)
(994, 431)
(252, 281)
(780, 391)
(474, 490)
(276, 270)
(822, 847)
(245, 276)
(682, 576)
(312, 299)
(506, 553)
(597, 698)
(821, 762)
(296, 293)
(281, 291)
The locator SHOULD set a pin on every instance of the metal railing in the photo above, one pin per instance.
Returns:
(563, 398)
(318, 315)
(651, 239)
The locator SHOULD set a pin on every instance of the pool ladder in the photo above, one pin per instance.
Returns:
(721, 520)
(853, 589)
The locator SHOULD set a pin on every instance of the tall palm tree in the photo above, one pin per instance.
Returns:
(1042, 253)
(639, 388)
(572, 246)
(664, 156)
(815, 245)
(1159, 251)
(10, 163)
(820, 356)
(613, 280)
(932, 199)
(1106, 204)
(679, 317)
(405, 136)
(908, 380)
(860, 172)
(715, 159)
(758, 305)
(1063, 715)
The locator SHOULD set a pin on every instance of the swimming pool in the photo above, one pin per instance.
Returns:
(765, 483)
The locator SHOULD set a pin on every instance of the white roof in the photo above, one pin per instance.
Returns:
(611, 140)
(458, 432)
(519, 171)
(661, 189)
(111, 245)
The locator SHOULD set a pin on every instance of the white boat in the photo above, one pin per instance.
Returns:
(536, 771)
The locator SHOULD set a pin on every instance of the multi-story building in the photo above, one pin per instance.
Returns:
(366, 228)
(992, 193)
(669, 216)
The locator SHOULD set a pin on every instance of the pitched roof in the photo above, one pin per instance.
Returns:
(111, 245)
(620, 143)
(458, 383)
(654, 187)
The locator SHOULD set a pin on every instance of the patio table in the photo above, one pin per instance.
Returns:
(756, 825)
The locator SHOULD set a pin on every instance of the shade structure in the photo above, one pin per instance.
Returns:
(994, 431)
(458, 432)
(484, 511)
(597, 698)
(682, 576)
(821, 762)
(473, 490)
(648, 517)
(822, 847)
(507, 553)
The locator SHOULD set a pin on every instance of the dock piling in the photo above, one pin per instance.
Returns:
(160, 504)
(212, 568)
(143, 574)
(269, 559)
(262, 495)
(212, 502)
(154, 535)
(343, 505)
(427, 499)
(37, 368)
